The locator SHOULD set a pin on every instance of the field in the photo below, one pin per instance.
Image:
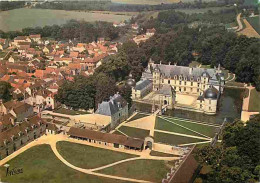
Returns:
(87, 156)
(18, 19)
(69, 112)
(255, 23)
(197, 127)
(174, 139)
(134, 132)
(151, 170)
(254, 103)
(40, 165)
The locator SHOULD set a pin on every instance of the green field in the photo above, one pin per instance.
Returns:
(69, 112)
(162, 124)
(150, 170)
(18, 19)
(134, 132)
(89, 157)
(254, 103)
(200, 128)
(174, 139)
(40, 165)
(255, 23)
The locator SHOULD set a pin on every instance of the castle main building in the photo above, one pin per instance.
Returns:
(196, 89)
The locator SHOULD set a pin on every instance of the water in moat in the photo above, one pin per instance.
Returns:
(230, 107)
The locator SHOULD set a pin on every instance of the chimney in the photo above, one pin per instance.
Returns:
(169, 63)
(190, 70)
(160, 62)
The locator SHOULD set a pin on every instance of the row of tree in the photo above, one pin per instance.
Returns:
(79, 30)
(236, 159)
(109, 6)
(9, 5)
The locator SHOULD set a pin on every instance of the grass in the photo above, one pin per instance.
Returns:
(255, 23)
(254, 102)
(134, 132)
(174, 139)
(156, 153)
(117, 133)
(150, 170)
(203, 129)
(41, 165)
(69, 112)
(164, 125)
(138, 116)
(89, 157)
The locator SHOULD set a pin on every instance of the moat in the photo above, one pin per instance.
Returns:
(230, 107)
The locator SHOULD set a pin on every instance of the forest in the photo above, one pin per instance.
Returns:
(9, 5)
(117, 7)
(79, 30)
(236, 158)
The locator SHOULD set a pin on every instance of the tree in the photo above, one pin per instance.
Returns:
(5, 88)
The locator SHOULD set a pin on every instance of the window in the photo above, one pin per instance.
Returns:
(201, 106)
(203, 86)
(185, 82)
(209, 101)
(184, 88)
(198, 85)
(180, 83)
(191, 89)
(209, 108)
(169, 81)
(174, 87)
(180, 89)
(191, 83)
(162, 80)
(198, 90)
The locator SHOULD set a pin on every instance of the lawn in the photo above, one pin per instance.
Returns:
(134, 132)
(203, 129)
(174, 139)
(255, 23)
(254, 103)
(150, 170)
(138, 116)
(164, 125)
(69, 112)
(40, 165)
(89, 157)
(117, 132)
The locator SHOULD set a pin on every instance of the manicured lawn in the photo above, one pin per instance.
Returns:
(156, 153)
(134, 132)
(164, 125)
(203, 129)
(150, 170)
(254, 103)
(69, 112)
(174, 139)
(138, 116)
(89, 157)
(40, 165)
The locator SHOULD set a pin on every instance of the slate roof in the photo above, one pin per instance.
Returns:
(166, 90)
(172, 70)
(142, 84)
(109, 108)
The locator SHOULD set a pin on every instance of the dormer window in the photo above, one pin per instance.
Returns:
(198, 79)
(180, 78)
(175, 77)
(185, 78)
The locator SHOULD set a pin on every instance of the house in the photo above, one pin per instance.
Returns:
(36, 38)
(116, 107)
(11, 59)
(51, 128)
(20, 39)
(142, 88)
(47, 49)
(150, 32)
(3, 44)
(21, 112)
(121, 24)
(135, 26)
(21, 134)
(106, 139)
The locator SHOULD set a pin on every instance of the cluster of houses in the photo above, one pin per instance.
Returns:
(144, 37)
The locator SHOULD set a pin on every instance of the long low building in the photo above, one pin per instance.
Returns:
(107, 139)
